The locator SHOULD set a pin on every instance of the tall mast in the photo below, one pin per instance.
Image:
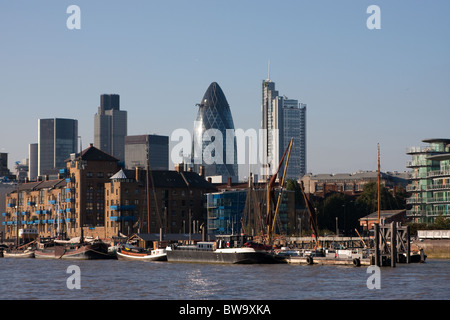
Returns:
(148, 189)
(150, 180)
(17, 215)
(379, 198)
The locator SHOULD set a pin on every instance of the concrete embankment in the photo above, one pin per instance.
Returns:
(434, 249)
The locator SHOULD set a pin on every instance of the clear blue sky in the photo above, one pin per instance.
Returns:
(362, 87)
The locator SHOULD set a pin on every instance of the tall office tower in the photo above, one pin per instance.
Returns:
(110, 126)
(57, 139)
(283, 119)
(136, 152)
(212, 148)
(33, 151)
(4, 171)
(267, 124)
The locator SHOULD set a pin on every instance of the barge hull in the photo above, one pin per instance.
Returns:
(220, 257)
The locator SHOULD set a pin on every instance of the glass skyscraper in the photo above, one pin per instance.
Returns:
(110, 126)
(283, 119)
(57, 139)
(140, 147)
(212, 147)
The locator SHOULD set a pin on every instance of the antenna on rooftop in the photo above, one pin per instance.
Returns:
(269, 72)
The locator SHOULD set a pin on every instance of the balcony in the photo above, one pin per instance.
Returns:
(418, 176)
(125, 218)
(437, 200)
(413, 188)
(416, 149)
(119, 208)
(416, 163)
(438, 173)
(432, 187)
(414, 200)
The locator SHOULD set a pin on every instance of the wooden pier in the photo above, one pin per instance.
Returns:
(391, 245)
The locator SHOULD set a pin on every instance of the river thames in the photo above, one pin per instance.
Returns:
(30, 279)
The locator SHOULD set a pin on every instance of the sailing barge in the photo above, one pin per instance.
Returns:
(73, 249)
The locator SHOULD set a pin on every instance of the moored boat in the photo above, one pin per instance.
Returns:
(28, 253)
(132, 253)
(222, 252)
(75, 249)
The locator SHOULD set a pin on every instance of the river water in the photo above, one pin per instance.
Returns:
(113, 279)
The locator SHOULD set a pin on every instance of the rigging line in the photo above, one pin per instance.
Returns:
(153, 190)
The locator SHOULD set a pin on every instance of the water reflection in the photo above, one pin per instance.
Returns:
(40, 279)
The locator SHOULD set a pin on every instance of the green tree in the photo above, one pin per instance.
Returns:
(441, 223)
(339, 208)
(367, 202)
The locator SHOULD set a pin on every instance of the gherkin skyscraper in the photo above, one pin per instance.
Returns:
(214, 144)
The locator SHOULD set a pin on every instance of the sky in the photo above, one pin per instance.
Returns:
(362, 87)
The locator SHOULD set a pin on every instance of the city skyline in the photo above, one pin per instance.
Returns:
(362, 86)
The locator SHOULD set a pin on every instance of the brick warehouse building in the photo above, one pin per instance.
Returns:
(81, 200)
(178, 201)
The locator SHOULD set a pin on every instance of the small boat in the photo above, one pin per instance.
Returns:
(133, 253)
(28, 253)
(417, 256)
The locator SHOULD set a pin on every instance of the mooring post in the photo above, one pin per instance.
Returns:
(377, 244)
(393, 244)
(408, 246)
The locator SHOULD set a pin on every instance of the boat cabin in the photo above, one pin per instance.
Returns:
(206, 246)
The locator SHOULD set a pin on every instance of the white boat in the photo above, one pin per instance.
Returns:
(131, 253)
(19, 254)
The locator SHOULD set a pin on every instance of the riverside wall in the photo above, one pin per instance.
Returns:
(434, 248)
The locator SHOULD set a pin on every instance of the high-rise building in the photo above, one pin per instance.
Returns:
(33, 161)
(4, 171)
(282, 119)
(430, 181)
(57, 139)
(110, 126)
(136, 148)
(212, 147)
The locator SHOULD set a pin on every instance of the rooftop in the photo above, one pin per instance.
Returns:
(93, 154)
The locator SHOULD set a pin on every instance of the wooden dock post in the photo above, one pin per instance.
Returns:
(408, 246)
(393, 244)
(377, 244)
